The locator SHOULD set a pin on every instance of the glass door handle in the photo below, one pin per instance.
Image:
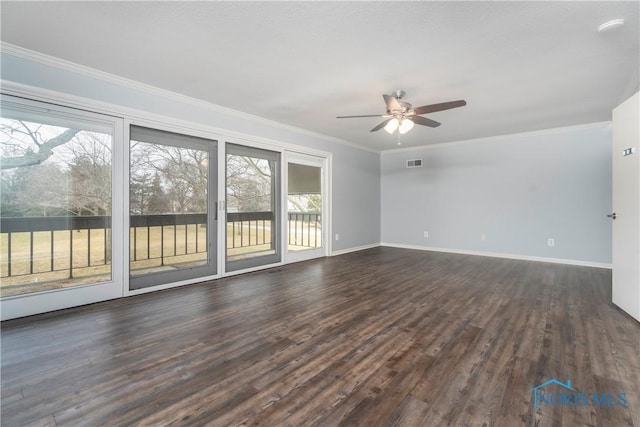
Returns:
(219, 206)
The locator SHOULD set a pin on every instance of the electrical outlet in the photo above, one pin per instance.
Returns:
(337, 236)
(426, 234)
(551, 242)
(483, 236)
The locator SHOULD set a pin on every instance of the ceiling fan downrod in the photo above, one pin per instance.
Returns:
(398, 94)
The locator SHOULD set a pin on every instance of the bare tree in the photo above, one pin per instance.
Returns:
(174, 178)
(249, 182)
(306, 202)
(157, 201)
(90, 174)
(49, 171)
(38, 149)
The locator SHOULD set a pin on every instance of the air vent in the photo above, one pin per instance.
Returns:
(415, 163)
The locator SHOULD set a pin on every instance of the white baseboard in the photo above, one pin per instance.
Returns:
(358, 248)
(499, 255)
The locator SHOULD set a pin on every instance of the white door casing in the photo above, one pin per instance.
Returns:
(323, 164)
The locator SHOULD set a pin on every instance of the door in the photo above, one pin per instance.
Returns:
(626, 205)
(60, 201)
(306, 207)
(252, 207)
(172, 211)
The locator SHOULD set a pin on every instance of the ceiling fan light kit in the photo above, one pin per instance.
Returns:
(401, 116)
(405, 125)
(391, 126)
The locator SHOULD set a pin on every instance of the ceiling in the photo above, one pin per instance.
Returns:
(521, 66)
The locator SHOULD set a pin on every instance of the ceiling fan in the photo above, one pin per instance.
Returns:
(402, 116)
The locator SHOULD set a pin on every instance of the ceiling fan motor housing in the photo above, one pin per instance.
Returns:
(405, 108)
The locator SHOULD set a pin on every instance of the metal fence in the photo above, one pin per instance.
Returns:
(41, 231)
(249, 229)
(181, 231)
(31, 245)
(305, 229)
(70, 243)
(255, 228)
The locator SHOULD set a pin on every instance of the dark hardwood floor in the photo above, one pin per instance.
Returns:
(379, 337)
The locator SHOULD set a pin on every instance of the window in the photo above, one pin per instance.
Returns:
(56, 201)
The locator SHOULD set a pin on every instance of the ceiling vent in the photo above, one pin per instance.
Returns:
(415, 163)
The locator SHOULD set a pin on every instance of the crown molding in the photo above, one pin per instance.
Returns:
(594, 125)
(72, 67)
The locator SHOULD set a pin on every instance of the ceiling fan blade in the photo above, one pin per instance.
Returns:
(439, 107)
(381, 125)
(392, 103)
(419, 120)
(353, 117)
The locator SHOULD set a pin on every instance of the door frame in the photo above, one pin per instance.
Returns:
(210, 146)
(324, 162)
(214, 204)
(260, 261)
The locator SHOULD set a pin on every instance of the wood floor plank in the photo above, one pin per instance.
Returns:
(384, 336)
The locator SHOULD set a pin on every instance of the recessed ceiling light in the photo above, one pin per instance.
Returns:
(614, 24)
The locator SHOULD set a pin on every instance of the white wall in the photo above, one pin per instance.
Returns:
(356, 172)
(517, 191)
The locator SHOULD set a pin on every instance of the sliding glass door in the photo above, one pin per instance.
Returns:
(252, 201)
(306, 207)
(73, 198)
(172, 210)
